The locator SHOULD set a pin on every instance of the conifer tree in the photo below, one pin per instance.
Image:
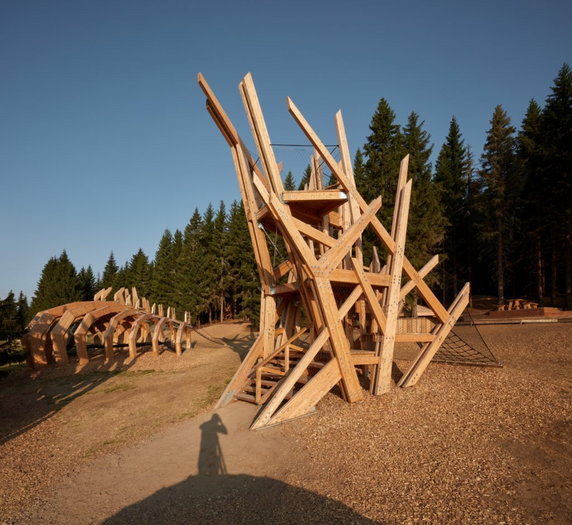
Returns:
(451, 174)
(243, 284)
(139, 273)
(426, 221)
(220, 264)
(189, 270)
(86, 284)
(557, 145)
(109, 272)
(498, 201)
(383, 152)
(23, 311)
(289, 183)
(163, 269)
(531, 163)
(57, 285)
(305, 178)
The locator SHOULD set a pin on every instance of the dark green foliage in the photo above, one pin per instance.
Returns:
(13, 318)
(163, 271)
(289, 183)
(57, 285)
(86, 284)
(501, 187)
(109, 272)
(383, 152)
(453, 172)
(243, 283)
(426, 221)
(305, 178)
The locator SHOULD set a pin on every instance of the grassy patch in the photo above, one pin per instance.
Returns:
(119, 387)
(129, 373)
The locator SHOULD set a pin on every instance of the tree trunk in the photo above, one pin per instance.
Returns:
(221, 308)
(567, 270)
(553, 275)
(539, 280)
(500, 268)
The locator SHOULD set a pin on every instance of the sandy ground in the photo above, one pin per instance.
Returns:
(466, 444)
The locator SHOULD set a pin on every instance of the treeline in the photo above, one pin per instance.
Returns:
(207, 270)
(503, 222)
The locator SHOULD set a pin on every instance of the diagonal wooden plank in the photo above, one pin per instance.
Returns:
(379, 229)
(369, 294)
(287, 384)
(440, 332)
(307, 397)
(382, 381)
(329, 261)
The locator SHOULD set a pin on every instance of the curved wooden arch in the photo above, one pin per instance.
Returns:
(48, 333)
(134, 332)
(37, 340)
(89, 321)
(184, 330)
(60, 331)
(158, 330)
(113, 324)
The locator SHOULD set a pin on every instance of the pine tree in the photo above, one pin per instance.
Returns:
(9, 325)
(189, 270)
(162, 280)
(530, 155)
(305, 178)
(383, 152)
(451, 174)
(500, 194)
(426, 221)
(86, 284)
(109, 272)
(57, 285)
(23, 311)
(219, 261)
(243, 284)
(289, 183)
(139, 273)
(557, 144)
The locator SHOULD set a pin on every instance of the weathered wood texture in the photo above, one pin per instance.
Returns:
(344, 305)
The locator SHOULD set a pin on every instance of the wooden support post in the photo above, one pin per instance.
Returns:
(382, 382)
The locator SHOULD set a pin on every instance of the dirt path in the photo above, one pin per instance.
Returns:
(465, 445)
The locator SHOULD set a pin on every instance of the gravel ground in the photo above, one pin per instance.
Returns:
(466, 444)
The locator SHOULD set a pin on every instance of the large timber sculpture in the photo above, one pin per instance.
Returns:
(325, 318)
(126, 322)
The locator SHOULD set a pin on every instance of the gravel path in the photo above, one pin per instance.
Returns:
(466, 444)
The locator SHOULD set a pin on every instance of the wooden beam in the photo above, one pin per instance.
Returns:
(287, 384)
(440, 332)
(369, 294)
(382, 382)
(379, 229)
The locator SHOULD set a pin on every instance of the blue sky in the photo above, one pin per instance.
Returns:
(105, 142)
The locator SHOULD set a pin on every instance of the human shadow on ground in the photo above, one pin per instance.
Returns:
(216, 497)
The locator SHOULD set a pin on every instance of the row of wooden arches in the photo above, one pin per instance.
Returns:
(105, 325)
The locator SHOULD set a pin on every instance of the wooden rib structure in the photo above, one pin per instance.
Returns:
(326, 319)
(126, 321)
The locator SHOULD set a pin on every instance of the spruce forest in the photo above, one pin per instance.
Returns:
(502, 221)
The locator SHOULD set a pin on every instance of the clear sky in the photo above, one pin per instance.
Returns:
(105, 141)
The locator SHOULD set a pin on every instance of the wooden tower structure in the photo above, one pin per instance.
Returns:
(325, 318)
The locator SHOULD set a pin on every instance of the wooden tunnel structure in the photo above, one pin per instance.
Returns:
(127, 321)
(326, 319)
